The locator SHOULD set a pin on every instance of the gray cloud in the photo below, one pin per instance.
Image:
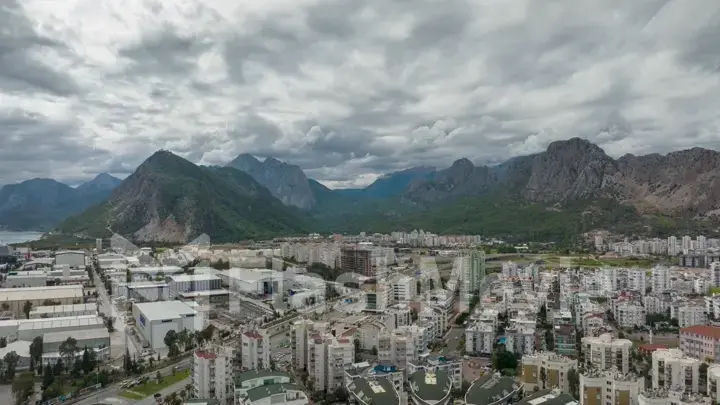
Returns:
(347, 89)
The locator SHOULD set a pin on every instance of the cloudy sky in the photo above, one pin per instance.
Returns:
(348, 89)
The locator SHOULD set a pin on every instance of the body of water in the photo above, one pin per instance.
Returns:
(7, 238)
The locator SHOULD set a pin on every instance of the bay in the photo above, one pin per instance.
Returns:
(7, 238)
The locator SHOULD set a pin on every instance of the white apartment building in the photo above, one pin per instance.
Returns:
(605, 352)
(672, 397)
(266, 387)
(672, 246)
(556, 371)
(328, 357)
(255, 351)
(636, 280)
(713, 383)
(520, 337)
(212, 373)
(715, 274)
(660, 279)
(609, 279)
(400, 347)
(700, 286)
(404, 288)
(436, 316)
(609, 388)
(672, 369)
(630, 315)
(479, 338)
(398, 315)
(691, 314)
(655, 304)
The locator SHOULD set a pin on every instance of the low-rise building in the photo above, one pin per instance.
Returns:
(493, 390)
(672, 397)
(554, 367)
(430, 387)
(265, 387)
(373, 391)
(701, 342)
(603, 387)
(672, 369)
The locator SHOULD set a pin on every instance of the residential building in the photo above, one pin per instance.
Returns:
(636, 280)
(404, 288)
(598, 387)
(520, 337)
(328, 356)
(605, 352)
(373, 391)
(266, 387)
(672, 397)
(701, 342)
(672, 369)
(355, 259)
(430, 387)
(399, 347)
(565, 340)
(493, 389)
(435, 362)
(255, 349)
(212, 373)
(660, 278)
(556, 371)
(691, 314)
(479, 338)
(629, 315)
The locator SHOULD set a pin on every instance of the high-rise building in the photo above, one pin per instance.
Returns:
(686, 243)
(701, 243)
(672, 246)
(601, 387)
(605, 353)
(355, 259)
(671, 368)
(212, 373)
(660, 279)
(255, 351)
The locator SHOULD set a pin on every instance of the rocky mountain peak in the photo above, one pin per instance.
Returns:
(285, 181)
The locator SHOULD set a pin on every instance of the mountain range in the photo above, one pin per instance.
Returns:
(571, 187)
(39, 204)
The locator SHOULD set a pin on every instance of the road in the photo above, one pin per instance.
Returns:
(119, 340)
(110, 394)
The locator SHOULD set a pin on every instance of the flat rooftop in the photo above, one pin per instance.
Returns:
(253, 374)
(62, 322)
(167, 270)
(69, 308)
(377, 391)
(179, 278)
(548, 397)
(207, 293)
(41, 293)
(265, 391)
(83, 334)
(430, 386)
(165, 309)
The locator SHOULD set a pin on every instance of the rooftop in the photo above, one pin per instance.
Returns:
(201, 401)
(41, 293)
(86, 334)
(703, 330)
(253, 374)
(179, 278)
(165, 309)
(549, 397)
(69, 308)
(490, 389)
(265, 391)
(378, 391)
(430, 386)
(62, 322)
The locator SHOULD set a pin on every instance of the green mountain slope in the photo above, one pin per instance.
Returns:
(169, 199)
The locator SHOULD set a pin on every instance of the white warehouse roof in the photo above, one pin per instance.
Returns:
(178, 278)
(61, 336)
(62, 322)
(168, 270)
(165, 309)
(41, 293)
(252, 275)
(51, 309)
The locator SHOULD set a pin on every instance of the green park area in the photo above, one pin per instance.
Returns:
(152, 386)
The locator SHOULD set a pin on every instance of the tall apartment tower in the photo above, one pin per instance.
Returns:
(473, 270)
(356, 260)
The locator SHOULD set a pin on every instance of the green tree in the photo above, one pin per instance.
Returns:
(3, 342)
(574, 382)
(68, 349)
(543, 376)
(27, 307)
(23, 388)
(502, 359)
(171, 341)
(11, 361)
(48, 378)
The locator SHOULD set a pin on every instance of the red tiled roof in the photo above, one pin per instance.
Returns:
(344, 340)
(703, 330)
(205, 355)
(349, 332)
(253, 335)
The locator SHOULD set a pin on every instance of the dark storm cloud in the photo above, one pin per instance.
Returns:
(348, 89)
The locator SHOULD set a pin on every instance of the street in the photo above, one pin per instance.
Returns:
(110, 395)
(119, 339)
